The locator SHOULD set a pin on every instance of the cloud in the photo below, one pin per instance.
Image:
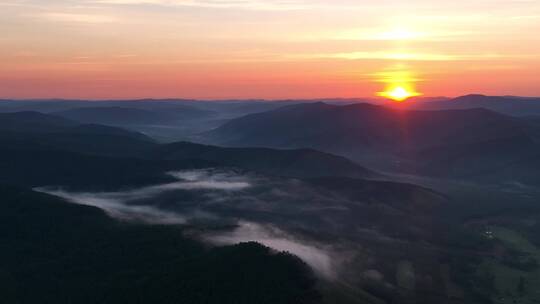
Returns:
(399, 33)
(79, 18)
(220, 4)
(399, 56)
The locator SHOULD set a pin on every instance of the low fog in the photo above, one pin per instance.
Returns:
(115, 203)
(319, 258)
(303, 217)
(216, 187)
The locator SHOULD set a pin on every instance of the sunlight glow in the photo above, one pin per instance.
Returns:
(399, 93)
(399, 83)
(400, 33)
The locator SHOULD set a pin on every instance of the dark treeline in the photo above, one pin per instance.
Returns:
(56, 252)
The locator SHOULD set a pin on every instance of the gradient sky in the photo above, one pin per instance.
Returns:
(220, 49)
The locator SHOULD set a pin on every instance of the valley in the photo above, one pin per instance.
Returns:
(455, 222)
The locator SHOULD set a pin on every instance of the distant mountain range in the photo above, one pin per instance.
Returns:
(51, 131)
(166, 120)
(365, 127)
(454, 143)
(133, 116)
(178, 108)
(511, 105)
(49, 145)
(469, 137)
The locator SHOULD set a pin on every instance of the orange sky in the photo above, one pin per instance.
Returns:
(267, 48)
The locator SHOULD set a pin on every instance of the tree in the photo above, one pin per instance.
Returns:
(521, 287)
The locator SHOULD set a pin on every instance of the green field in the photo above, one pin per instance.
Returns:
(512, 283)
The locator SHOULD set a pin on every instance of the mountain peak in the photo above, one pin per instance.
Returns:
(472, 96)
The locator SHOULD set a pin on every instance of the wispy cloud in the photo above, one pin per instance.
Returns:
(79, 18)
(238, 4)
(399, 56)
(400, 34)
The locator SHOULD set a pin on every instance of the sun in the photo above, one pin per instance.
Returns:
(399, 93)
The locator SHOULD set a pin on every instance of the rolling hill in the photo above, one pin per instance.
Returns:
(295, 163)
(30, 121)
(57, 252)
(31, 138)
(176, 106)
(118, 116)
(362, 127)
(419, 142)
(510, 105)
(32, 128)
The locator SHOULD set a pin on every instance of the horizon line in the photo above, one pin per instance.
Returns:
(241, 99)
